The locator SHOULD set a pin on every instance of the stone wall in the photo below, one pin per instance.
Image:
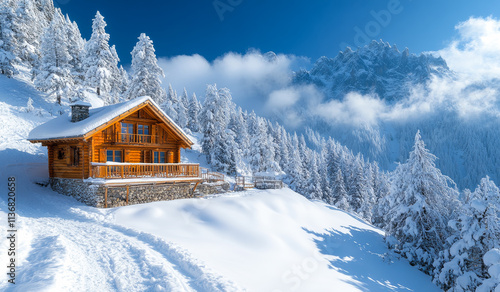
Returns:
(94, 194)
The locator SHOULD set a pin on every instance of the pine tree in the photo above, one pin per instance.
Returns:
(100, 62)
(314, 185)
(75, 45)
(182, 111)
(460, 267)
(421, 203)
(170, 103)
(340, 192)
(31, 19)
(193, 113)
(7, 38)
(146, 74)
(29, 105)
(54, 72)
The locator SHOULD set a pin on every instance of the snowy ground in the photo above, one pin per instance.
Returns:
(254, 240)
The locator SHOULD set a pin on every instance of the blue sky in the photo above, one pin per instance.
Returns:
(302, 28)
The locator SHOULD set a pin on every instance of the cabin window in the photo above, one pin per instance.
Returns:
(127, 132)
(143, 134)
(61, 154)
(114, 155)
(159, 157)
(75, 156)
(143, 129)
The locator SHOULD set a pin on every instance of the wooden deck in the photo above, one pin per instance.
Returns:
(145, 170)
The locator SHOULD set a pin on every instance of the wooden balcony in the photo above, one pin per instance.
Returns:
(129, 139)
(115, 170)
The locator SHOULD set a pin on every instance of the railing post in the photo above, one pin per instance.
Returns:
(121, 169)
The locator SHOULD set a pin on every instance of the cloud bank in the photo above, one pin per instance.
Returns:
(251, 77)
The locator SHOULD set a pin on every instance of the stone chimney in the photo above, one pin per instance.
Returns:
(79, 111)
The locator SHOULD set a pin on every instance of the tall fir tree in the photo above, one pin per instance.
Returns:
(7, 38)
(421, 200)
(54, 72)
(146, 74)
(100, 62)
(169, 105)
(460, 266)
(193, 114)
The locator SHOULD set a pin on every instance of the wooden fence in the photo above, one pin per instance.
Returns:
(145, 170)
(211, 176)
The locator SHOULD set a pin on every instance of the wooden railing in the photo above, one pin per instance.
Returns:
(244, 182)
(132, 138)
(210, 176)
(145, 170)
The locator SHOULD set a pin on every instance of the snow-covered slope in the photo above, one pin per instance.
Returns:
(254, 240)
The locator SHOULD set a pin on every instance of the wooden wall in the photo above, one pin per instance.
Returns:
(64, 167)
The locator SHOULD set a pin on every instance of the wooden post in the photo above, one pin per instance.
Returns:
(196, 185)
(121, 169)
(105, 197)
(127, 193)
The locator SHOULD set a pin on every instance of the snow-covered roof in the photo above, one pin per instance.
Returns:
(81, 103)
(62, 127)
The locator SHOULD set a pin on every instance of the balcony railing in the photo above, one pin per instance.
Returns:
(115, 170)
(132, 139)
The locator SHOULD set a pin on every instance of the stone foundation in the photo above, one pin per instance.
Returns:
(94, 194)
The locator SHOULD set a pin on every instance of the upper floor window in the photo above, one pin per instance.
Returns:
(127, 132)
(143, 129)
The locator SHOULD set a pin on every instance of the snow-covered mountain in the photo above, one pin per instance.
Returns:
(376, 68)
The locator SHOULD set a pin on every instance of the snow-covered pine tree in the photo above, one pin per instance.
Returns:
(340, 193)
(146, 74)
(75, 47)
(182, 111)
(29, 105)
(460, 267)
(169, 105)
(295, 162)
(218, 142)
(285, 154)
(421, 200)
(100, 62)
(492, 260)
(53, 74)
(314, 190)
(7, 39)
(193, 114)
(31, 19)
(238, 126)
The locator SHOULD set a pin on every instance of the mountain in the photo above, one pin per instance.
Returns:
(376, 68)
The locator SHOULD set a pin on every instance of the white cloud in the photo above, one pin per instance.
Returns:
(475, 52)
(355, 109)
(251, 77)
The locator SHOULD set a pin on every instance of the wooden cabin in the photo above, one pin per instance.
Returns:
(129, 140)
